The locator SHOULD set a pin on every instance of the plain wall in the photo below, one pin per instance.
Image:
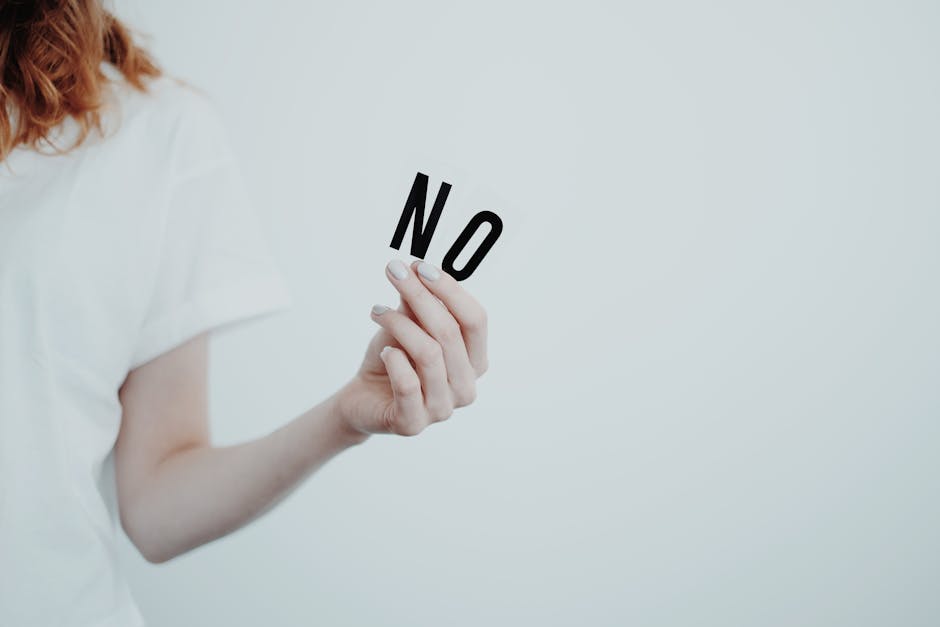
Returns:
(713, 395)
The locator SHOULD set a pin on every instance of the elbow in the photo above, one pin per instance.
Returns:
(154, 556)
(144, 538)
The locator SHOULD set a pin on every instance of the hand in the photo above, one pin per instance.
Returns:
(424, 361)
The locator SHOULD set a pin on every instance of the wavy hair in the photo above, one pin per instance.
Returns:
(51, 56)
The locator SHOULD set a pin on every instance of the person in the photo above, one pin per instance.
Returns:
(125, 240)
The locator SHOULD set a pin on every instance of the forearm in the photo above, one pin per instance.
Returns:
(199, 494)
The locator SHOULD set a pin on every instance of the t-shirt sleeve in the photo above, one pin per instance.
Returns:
(215, 267)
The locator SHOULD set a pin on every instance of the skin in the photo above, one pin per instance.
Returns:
(176, 491)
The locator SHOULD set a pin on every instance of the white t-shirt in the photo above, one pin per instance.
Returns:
(109, 256)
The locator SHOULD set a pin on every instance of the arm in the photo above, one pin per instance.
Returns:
(176, 491)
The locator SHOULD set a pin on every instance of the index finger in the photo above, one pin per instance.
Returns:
(469, 314)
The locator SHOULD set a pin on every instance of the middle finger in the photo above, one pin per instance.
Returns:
(440, 324)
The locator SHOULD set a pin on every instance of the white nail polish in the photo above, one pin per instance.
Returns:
(379, 309)
(428, 271)
(385, 350)
(397, 269)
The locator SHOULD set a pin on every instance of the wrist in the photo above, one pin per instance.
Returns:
(346, 434)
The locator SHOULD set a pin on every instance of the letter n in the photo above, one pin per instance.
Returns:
(414, 207)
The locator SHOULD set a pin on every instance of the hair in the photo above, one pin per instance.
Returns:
(51, 55)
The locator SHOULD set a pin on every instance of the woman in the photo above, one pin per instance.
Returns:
(124, 240)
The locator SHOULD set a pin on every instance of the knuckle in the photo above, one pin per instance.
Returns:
(448, 332)
(429, 355)
(441, 411)
(478, 321)
(409, 387)
(411, 428)
(466, 395)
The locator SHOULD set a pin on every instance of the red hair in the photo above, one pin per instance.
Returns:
(51, 53)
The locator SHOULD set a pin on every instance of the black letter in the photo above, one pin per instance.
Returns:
(464, 238)
(417, 199)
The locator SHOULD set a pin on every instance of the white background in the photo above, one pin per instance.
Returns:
(714, 391)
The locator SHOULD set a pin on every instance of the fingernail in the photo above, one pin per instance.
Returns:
(397, 269)
(385, 350)
(379, 309)
(428, 271)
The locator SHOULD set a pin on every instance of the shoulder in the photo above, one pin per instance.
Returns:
(177, 122)
(166, 100)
